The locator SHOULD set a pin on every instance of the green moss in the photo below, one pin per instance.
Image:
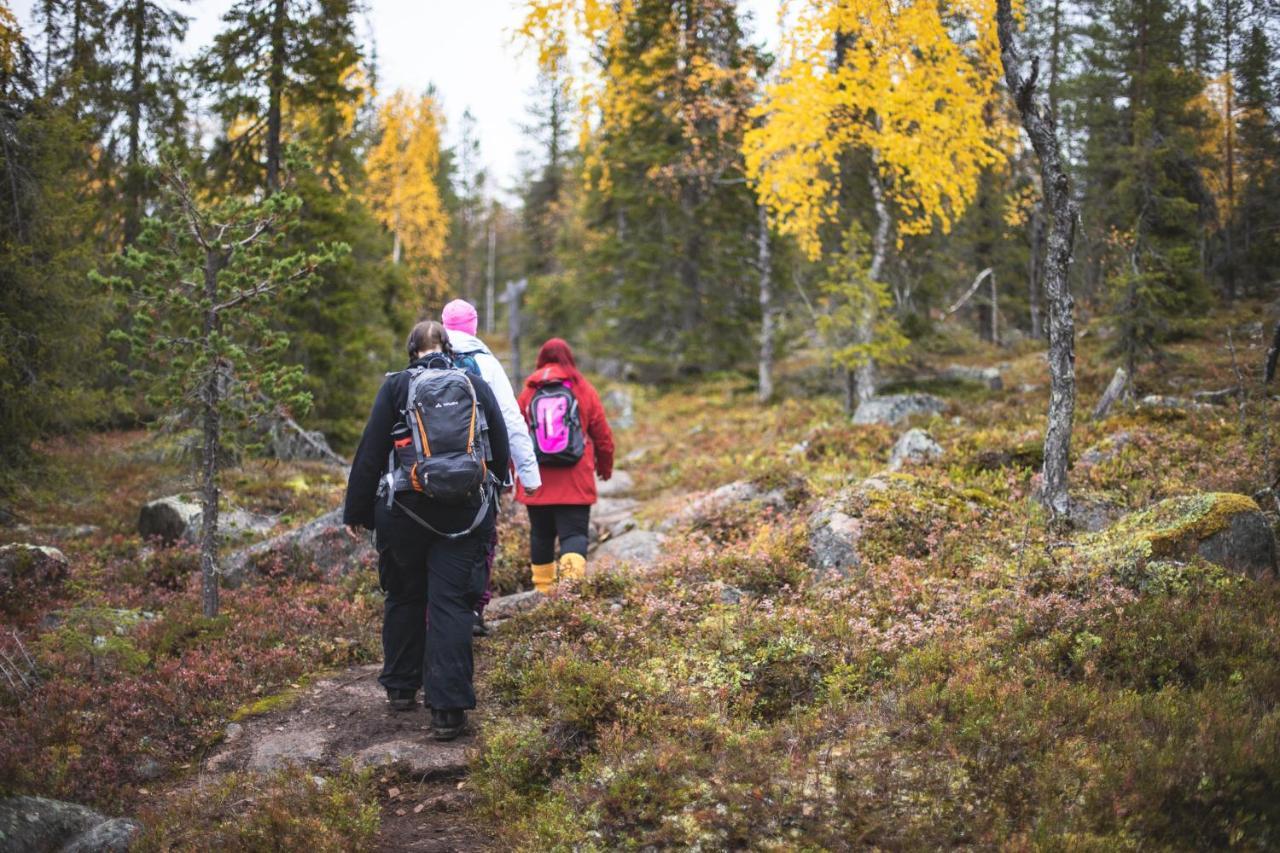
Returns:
(275, 701)
(1170, 529)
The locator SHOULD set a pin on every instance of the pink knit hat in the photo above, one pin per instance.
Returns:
(460, 315)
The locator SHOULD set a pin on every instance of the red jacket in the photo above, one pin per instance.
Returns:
(576, 485)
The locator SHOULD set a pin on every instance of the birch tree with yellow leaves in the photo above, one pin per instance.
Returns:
(402, 189)
(900, 95)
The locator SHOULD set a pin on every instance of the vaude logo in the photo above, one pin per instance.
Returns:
(443, 405)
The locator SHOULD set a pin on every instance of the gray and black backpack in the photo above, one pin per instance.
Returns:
(440, 448)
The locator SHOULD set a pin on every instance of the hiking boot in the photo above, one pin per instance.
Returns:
(402, 700)
(448, 724)
(478, 628)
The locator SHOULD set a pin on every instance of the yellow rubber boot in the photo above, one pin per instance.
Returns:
(544, 576)
(572, 566)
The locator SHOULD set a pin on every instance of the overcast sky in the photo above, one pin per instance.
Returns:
(463, 46)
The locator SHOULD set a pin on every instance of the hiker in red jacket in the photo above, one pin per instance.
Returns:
(574, 445)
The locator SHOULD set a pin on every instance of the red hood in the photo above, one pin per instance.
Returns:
(549, 373)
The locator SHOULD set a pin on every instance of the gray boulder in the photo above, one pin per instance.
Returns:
(38, 565)
(617, 486)
(1246, 544)
(893, 409)
(1106, 449)
(323, 545)
(39, 824)
(638, 548)
(913, 447)
(177, 518)
(506, 606)
(833, 540)
(989, 377)
(718, 500)
(620, 408)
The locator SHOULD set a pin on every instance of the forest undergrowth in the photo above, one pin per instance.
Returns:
(976, 681)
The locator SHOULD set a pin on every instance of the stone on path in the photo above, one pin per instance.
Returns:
(336, 719)
(38, 824)
(506, 606)
(637, 548)
(913, 447)
(618, 485)
(893, 409)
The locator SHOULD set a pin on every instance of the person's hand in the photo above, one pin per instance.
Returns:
(355, 532)
(605, 475)
(529, 493)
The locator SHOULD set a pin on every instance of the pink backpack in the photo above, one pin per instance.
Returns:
(556, 427)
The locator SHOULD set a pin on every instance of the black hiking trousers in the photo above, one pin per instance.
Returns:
(432, 584)
(567, 522)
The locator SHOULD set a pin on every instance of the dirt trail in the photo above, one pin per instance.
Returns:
(426, 805)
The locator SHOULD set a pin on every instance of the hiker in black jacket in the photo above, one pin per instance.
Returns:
(430, 568)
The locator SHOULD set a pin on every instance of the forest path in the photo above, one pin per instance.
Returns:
(343, 716)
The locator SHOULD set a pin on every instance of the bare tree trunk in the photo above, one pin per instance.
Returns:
(275, 87)
(212, 424)
(995, 312)
(491, 271)
(767, 320)
(1033, 291)
(865, 376)
(134, 173)
(1041, 126)
(1273, 355)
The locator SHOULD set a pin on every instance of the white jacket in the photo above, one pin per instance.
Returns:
(517, 430)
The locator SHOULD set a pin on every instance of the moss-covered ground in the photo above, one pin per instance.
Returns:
(982, 681)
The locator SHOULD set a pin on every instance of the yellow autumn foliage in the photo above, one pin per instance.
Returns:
(918, 89)
(402, 168)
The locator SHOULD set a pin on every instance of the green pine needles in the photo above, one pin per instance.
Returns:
(203, 286)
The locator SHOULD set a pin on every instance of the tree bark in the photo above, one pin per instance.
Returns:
(1033, 290)
(1273, 355)
(275, 88)
(765, 261)
(133, 168)
(212, 428)
(1041, 126)
(864, 379)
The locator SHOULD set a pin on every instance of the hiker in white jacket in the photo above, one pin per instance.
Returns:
(460, 319)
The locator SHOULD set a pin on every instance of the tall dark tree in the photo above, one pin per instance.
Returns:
(1257, 218)
(272, 57)
(148, 88)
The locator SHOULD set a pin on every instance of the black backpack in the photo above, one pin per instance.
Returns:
(440, 448)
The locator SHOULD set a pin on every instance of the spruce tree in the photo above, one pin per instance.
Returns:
(1257, 218)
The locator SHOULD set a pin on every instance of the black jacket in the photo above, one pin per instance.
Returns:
(375, 446)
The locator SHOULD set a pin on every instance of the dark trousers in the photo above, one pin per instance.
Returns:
(567, 522)
(432, 584)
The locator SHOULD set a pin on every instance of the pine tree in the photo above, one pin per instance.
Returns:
(48, 318)
(273, 56)
(204, 283)
(1257, 218)
(1143, 180)
(148, 89)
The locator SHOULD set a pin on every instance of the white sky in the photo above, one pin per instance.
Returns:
(464, 47)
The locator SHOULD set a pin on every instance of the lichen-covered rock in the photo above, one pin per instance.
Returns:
(833, 539)
(506, 606)
(321, 546)
(893, 409)
(617, 486)
(1220, 527)
(35, 566)
(177, 518)
(1107, 449)
(38, 824)
(913, 447)
(712, 503)
(989, 377)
